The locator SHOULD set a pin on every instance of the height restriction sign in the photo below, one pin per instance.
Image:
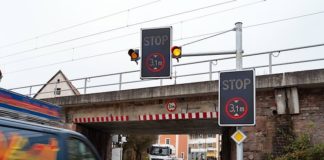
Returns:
(236, 98)
(155, 51)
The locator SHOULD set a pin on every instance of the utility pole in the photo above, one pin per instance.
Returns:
(239, 67)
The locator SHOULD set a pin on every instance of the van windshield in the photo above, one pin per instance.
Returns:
(160, 151)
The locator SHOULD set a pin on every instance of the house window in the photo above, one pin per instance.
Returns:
(182, 155)
(57, 91)
(58, 80)
(167, 141)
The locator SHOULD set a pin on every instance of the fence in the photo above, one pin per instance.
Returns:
(204, 70)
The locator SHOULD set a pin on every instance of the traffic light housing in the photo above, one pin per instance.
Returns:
(176, 52)
(0, 75)
(134, 54)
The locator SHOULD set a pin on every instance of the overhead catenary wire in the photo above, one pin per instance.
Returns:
(125, 35)
(284, 19)
(210, 35)
(70, 48)
(88, 44)
(114, 29)
(79, 24)
(97, 55)
(225, 10)
(67, 61)
(84, 45)
(72, 60)
(247, 27)
(214, 35)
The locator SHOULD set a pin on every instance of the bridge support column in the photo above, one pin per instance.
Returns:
(228, 147)
(101, 140)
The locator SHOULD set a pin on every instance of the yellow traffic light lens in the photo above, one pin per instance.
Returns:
(176, 52)
(134, 55)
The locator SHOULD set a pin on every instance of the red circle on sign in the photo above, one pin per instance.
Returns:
(171, 105)
(238, 99)
(155, 62)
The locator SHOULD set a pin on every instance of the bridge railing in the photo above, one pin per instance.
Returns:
(205, 70)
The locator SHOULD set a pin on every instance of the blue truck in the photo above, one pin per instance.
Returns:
(21, 140)
(18, 103)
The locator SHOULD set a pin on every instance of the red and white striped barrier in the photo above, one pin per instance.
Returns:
(178, 116)
(101, 119)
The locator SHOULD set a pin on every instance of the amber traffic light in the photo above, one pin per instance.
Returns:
(134, 54)
(176, 52)
(0, 75)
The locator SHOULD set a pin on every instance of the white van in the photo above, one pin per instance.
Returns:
(162, 152)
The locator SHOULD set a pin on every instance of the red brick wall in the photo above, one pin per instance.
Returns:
(269, 134)
(259, 138)
(311, 118)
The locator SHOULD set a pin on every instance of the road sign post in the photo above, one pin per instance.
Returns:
(239, 66)
(237, 95)
(155, 50)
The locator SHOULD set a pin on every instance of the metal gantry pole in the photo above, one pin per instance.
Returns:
(120, 81)
(270, 63)
(239, 50)
(30, 91)
(210, 70)
(85, 86)
(239, 67)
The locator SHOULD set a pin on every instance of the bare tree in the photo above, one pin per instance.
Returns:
(136, 146)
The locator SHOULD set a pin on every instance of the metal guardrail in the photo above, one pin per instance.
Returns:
(209, 72)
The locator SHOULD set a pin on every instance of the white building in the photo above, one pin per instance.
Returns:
(204, 146)
(57, 86)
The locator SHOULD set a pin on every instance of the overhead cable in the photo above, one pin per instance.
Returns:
(213, 34)
(79, 24)
(125, 35)
(114, 29)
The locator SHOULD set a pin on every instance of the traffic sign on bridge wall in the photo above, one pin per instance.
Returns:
(155, 50)
(236, 98)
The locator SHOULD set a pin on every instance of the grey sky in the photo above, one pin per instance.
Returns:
(28, 19)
